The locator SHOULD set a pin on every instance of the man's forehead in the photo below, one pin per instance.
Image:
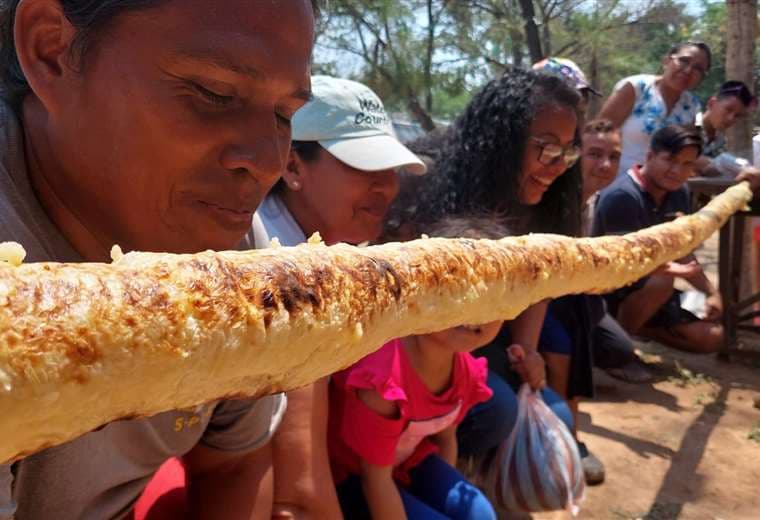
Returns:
(244, 39)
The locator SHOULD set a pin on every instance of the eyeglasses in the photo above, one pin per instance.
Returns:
(551, 153)
(687, 62)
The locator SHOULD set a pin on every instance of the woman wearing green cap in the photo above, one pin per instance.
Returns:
(339, 181)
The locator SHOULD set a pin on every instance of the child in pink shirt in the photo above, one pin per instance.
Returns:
(394, 414)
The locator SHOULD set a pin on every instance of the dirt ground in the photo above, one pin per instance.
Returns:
(686, 446)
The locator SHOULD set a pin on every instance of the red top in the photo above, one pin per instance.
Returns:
(356, 432)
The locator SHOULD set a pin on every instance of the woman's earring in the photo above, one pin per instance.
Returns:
(295, 185)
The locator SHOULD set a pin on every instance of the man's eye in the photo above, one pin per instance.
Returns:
(212, 97)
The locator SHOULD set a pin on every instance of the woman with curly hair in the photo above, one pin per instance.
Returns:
(513, 151)
(506, 153)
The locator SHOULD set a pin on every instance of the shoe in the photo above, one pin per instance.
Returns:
(632, 372)
(593, 469)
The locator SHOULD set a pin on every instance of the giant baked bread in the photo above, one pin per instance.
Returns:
(85, 344)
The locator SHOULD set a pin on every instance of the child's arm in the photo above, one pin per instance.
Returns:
(446, 441)
(380, 490)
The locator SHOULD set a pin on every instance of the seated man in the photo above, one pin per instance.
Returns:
(724, 109)
(600, 159)
(647, 195)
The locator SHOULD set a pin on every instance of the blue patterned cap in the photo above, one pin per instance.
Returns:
(567, 69)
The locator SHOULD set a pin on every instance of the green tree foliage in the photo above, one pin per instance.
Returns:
(427, 57)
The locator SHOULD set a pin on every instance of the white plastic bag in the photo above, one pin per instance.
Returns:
(538, 467)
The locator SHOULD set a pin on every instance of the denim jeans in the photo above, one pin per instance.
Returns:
(438, 492)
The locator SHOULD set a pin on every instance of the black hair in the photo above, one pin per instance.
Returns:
(738, 90)
(673, 138)
(308, 151)
(698, 44)
(479, 158)
(600, 126)
(89, 17)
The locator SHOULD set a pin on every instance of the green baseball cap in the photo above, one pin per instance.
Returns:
(351, 123)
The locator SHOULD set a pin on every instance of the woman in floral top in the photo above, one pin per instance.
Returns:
(642, 104)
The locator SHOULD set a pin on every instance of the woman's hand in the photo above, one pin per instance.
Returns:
(529, 364)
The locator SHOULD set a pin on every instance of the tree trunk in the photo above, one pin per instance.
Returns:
(429, 58)
(595, 102)
(419, 113)
(547, 43)
(517, 47)
(531, 31)
(740, 65)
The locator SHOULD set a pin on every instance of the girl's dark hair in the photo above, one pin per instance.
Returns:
(478, 161)
(468, 226)
(89, 17)
(699, 45)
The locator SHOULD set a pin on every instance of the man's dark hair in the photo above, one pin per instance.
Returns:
(672, 139)
(600, 126)
(89, 17)
(702, 46)
(738, 90)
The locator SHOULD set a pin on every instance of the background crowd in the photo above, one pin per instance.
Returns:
(150, 126)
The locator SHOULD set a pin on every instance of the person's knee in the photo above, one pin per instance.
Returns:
(641, 305)
(467, 502)
(704, 336)
(659, 286)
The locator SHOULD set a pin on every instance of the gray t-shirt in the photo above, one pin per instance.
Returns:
(101, 474)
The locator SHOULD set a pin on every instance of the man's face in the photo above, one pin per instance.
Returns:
(179, 122)
(668, 171)
(725, 112)
(600, 159)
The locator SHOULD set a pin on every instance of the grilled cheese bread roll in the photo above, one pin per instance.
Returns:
(85, 344)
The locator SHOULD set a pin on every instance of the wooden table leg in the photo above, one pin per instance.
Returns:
(726, 288)
(737, 259)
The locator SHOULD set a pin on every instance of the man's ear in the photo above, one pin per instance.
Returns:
(711, 102)
(43, 37)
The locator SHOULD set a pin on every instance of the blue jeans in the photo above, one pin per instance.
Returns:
(488, 424)
(438, 492)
